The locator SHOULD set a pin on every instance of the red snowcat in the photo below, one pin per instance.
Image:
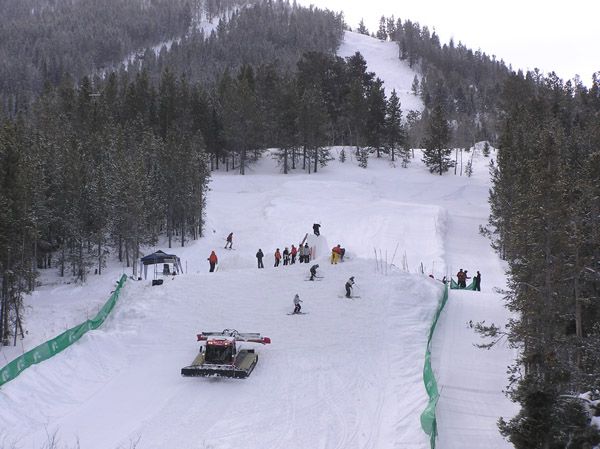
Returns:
(220, 357)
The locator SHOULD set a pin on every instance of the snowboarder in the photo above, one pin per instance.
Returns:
(349, 284)
(477, 280)
(277, 257)
(212, 260)
(259, 257)
(316, 227)
(313, 272)
(461, 278)
(293, 253)
(297, 301)
(286, 256)
(229, 241)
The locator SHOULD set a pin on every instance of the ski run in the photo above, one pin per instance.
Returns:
(348, 374)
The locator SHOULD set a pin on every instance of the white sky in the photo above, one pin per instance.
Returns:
(550, 35)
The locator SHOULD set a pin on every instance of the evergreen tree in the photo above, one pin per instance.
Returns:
(375, 120)
(395, 134)
(436, 155)
(362, 29)
(382, 31)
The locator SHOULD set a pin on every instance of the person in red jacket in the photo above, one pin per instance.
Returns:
(461, 277)
(212, 260)
(277, 257)
(293, 253)
(336, 254)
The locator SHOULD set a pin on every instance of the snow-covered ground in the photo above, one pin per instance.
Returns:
(382, 58)
(346, 375)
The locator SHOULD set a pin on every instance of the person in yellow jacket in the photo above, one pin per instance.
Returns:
(336, 254)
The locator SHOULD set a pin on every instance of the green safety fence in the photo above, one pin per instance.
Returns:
(454, 285)
(61, 342)
(428, 420)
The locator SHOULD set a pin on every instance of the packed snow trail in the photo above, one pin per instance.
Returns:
(471, 379)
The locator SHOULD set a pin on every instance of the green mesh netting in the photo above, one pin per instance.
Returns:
(61, 342)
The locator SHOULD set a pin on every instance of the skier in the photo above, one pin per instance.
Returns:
(477, 280)
(461, 277)
(316, 227)
(349, 284)
(293, 253)
(297, 302)
(212, 260)
(229, 240)
(465, 281)
(313, 272)
(286, 256)
(259, 257)
(277, 257)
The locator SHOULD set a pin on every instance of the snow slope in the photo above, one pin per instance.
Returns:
(346, 375)
(382, 58)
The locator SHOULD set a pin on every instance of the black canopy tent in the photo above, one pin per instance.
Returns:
(157, 258)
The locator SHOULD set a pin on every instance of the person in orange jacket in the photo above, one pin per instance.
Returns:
(212, 260)
(277, 257)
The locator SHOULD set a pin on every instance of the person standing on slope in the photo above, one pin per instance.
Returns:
(349, 284)
(229, 241)
(461, 279)
(277, 257)
(259, 257)
(286, 256)
(316, 227)
(477, 280)
(293, 253)
(306, 253)
(297, 301)
(212, 261)
(313, 272)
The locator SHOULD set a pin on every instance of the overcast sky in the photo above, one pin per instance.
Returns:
(563, 36)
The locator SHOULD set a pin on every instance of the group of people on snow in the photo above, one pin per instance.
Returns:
(462, 277)
(288, 256)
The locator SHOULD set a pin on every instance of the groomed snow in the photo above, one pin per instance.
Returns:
(346, 375)
(382, 58)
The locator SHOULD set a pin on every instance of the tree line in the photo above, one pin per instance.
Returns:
(41, 40)
(545, 223)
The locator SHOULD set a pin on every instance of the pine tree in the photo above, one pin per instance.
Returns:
(395, 134)
(362, 29)
(382, 31)
(375, 120)
(436, 155)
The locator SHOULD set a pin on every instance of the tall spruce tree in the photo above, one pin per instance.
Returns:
(436, 155)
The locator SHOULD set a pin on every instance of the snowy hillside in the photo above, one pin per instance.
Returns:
(348, 374)
(382, 58)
